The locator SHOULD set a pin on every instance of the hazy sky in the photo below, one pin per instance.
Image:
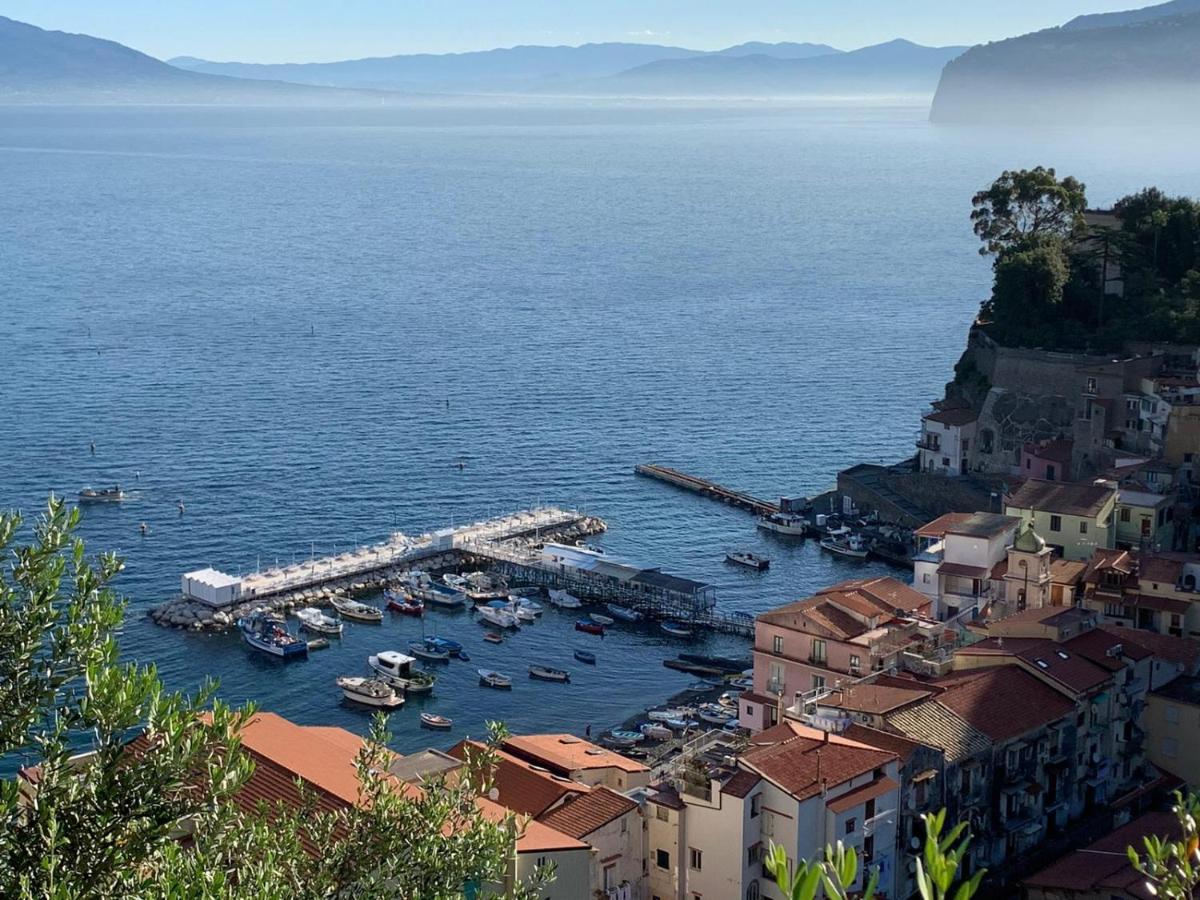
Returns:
(317, 30)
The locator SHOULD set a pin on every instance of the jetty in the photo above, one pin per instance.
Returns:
(707, 488)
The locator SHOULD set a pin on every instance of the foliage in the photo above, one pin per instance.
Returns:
(1024, 204)
(836, 873)
(1031, 278)
(939, 862)
(109, 825)
(1173, 866)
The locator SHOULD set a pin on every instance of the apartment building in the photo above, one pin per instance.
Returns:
(1074, 518)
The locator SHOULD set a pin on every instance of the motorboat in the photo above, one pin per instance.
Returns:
(565, 600)
(729, 699)
(589, 627)
(423, 650)
(666, 715)
(397, 670)
(112, 494)
(269, 636)
(522, 613)
(359, 612)
(626, 738)
(493, 637)
(586, 656)
(698, 687)
(788, 524)
(442, 595)
(601, 620)
(454, 648)
(744, 683)
(748, 560)
(433, 720)
(850, 545)
(624, 613)
(525, 603)
(681, 724)
(545, 673)
(500, 616)
(496, 680)
(404, 604)
(656, 731)
(456, 582)
(370, 692)
(676, 629)
(312, 619)
(715, 714)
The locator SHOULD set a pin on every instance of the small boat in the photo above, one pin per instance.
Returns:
(266, 634)
(565, 600)
(525, 603)
(590, 627)
(359, 612)
(698, 687)
(493, 638)
(113, 494)
(656, 731)
(601, 620)
(312, 619)
(681, 724)
(432, 720)
(370, 692)
(545, 673)
(681, 665)
(624, 613)
(397, 670)
(627, 737)
(676, 629)
(725, 663)
(744, 684)
(729, 699)
(403, 604)
(715, 714)
(666, 715)
(522, 614)
(748, 560)
(423, 650)
(454, 648)
(500, 616)
(586, 656)
(788, 524)
(441, 595)
(456, 582)
(496, 680)
(850, 546)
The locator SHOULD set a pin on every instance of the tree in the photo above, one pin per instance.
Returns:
(108, 824)
(1024, 204)
(1027, 295)
(1172, 867)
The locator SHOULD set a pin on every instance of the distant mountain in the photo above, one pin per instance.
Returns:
(1145, 71)
(782, 50)
(896, 68)
(1133, 16)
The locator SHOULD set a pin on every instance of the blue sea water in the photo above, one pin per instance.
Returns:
(300, 322)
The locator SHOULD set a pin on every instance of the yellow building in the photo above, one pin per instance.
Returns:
(1075, 518)
(1172, 724)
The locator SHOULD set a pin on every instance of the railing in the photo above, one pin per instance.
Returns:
(930, 444)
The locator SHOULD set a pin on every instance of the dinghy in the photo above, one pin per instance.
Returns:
(496, 680)
(370, 692)
(586, 656)
(312, 619)
(545, 673)
(432, 720)
(359, 612)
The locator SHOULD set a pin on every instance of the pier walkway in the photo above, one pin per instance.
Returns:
(707, 488)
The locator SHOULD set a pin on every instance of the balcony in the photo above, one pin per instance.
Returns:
(775, 685)
(929, 442)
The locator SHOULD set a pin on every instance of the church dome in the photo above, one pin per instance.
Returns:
(1028, 541)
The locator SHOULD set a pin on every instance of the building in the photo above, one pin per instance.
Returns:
(1074, 518)
(1151, 591)
(1047, 460)
(955, 571)
(211, 587)
(573, 758)
(594, 574)
(1172, 724)
(1145, 519)
(945, 442)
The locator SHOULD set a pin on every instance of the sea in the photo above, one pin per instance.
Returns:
(317, 327)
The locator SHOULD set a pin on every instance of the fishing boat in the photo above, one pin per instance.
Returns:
(565, 600)
(113, 494)
(499, 615)
(268, 636)
(442, 595)
(488, 678)
(788, 524)
(698, 687)
(601, 620)
(545, 673)
(624, 613)
(397, 670)
(676, 629)
(312, 619)
(666, 715)
(404, 604)
(681, 724)
(432, 720)
(586, 656)
(850, 546)
(748, 560)
(715, 714)
(359, 612)
(493, 637)
(589, 627)
(370, 692)
(454, 648)
(423, 650)
(626, 738)
(656, 731)
(729, 699)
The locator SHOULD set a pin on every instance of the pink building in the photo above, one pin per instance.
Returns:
(1047, 461)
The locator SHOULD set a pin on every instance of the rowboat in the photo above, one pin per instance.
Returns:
(312, 619)
(624, 613)
(432, 720)
(268, 636)
(493, 638)
(744, 683)
(359, 612)
(729, 699)
(590, 627)
(545, 673)
(113, 494)
(496, 680)
(397, 670)
(408, 606)
(666, 715)
(586, 656)
(565, 600)
(601, 620)
(628, 738)
(748, 560)
(656, 731)
(676, 629)
(423, 650)
(369, 692)
(715, 714)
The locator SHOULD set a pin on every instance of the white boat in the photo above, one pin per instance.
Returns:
(850, 546)
(676, 629)
(677, 712)
(370, 692)
(424, 649)
(744, 683)
(784, 523)
(626, 738)
(113, 494)
(601, 620)
(496, 680)
(397, 670)
(432, 720)
(312, 619)
(546, 673)
(360, 612)
(266, 634)
(525, 603)
(565, 600)
(456, 582)
(656, 731)
(713, 717)
(500, 616)
(523, 614)
(624, 613)
(729, 699)
(748, 560)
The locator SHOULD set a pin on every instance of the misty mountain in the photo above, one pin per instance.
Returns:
(896, 68)
(1139, 72)
(1133, 16)
(782, 50)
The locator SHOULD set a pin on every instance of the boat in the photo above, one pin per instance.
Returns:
(493, 637)
(404, 604)
(565, 600)
(698, 687)
(729, 699)
(715, 714)
(745, 683)
(423, 650)
(397, 670)
(784, 523)
(496, 680)
(522, 613)
(500, 616)
(442, 595)
(590, 627)
(850, 546)
(725, 663)
(456, 582)
(666, 715)
(525, 603)
(359, 612)
(676, 629)
(369, 692)
(656, 731)
(433, 720)
(268, 636)
(748, 560)
(681, 724)
(312, 619)
(626, 737)
(454, 648)
(624, 613)
(586, 656)
(682, 665)
(601, 620)
(113, 494)
(545, 673)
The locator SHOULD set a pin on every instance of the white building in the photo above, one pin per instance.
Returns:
(957, 556)
(945, 442)
(212, 587)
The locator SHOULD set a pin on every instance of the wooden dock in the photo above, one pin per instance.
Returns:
(707, 488)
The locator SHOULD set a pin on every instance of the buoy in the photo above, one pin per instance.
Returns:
(93, 447)
(181, 507)
(144, 528)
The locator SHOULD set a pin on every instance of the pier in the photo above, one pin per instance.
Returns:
(707, 488)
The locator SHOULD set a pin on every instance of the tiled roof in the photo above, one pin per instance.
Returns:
(567, 753)
(1074, 673)
(886, 594)
(935, 725)
(1103, 559)
(939, 526)
(861, 795)
(581, 816)
(1103, 649)
(741, 784)
(902, 746)
(963, 570)
(852, 602)
(984, 525)
(1061, 497)
(1066, 571)
(1161, 569)
(817, 611)
(322, 757)
(1161, 604)
(1003, 702)
(874, 698)
(801, 765)
(952, 417)
(1056, 451)
(535, 836)
(521, 787)
(1165, 646)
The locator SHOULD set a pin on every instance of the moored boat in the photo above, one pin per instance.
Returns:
(442, 595)
(565, 600)
(715, 714)
(454, 648)
(113, 494)
(404, 604)
(493, 637)
(497, 680)
(397, 670)
(748, 560)
(589, 627)
(724, 663)
(525, 603)
(676, 629)
(268, 636)
(359, 612)
(601, 620)
(850, 546)
(788, 524)
(312, 619)
(497, 613)
(666, 715)
(656, 731)
(423, 650)
(698, 687)
(586, 656)
(626, 738)
(370, 692)
(545, 673)
(432, 720)
(624, 613)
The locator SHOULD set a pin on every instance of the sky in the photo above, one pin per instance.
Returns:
(324, 30)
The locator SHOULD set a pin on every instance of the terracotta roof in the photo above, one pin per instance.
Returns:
(1066, 571)
(741, 784)
(851, 602)
(952, 417)
(1003, 702)
(963, 570)
(1061, 497)
(322, 757)
(519, 785)
(567, 753)
(875, 698)
(535, 836)
(887, 594)
(584, 814)
(902, 746)
(1161, 569)
(762, 699)
(817, 611)
(1161, 604)
(939, 526)
(999, 570)
(861, 795)
(1165, 646)
(1056, 451)
(796, 764)
(1044, 614)
(985, 525)
(935, 725)
(1076, 673)
(1103, 559)
(1104, 649)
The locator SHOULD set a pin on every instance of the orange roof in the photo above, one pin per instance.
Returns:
(567, 753)
(317, 755)
(939, 526)
(802, 765)
(952, 417)
(886, 594)
(861, 795)
(519, 785)
(1004, 702)
(583, 815)
(536, 837)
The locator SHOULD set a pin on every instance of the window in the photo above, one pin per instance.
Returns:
(624, 824)
(662, 859)
(1083, 527)
(752, 891)
(660, 813)
(610, 877)
(818, 682)
(541, 862)
(1056, 523)
(755, 805)
(851, 824)
(868, 853)
(1126, 514)
(855, 663)
(1187, 457)
(925, 578)
(777, 644)
(1091, 386)
(818, 651)
(946, 461)
(1170, 747)
(695, 859)
(1171, 713)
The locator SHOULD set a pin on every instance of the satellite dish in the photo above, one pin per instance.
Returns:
(494, 795)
